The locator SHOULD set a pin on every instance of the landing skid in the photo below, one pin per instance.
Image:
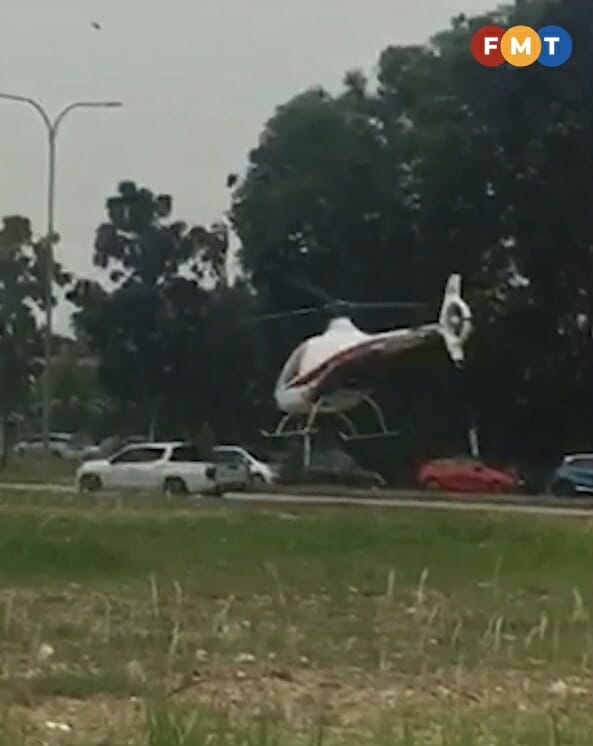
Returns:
(352, 435)
(281, 432)
(287, 433)
(350, 438)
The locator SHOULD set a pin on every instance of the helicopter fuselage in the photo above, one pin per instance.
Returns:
(328, 370)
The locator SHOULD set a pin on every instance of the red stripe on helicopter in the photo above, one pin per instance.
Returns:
(351, 353)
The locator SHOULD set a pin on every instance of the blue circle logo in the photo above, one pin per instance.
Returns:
(556, 46)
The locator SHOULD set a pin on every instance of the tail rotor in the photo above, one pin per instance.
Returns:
(455, 320)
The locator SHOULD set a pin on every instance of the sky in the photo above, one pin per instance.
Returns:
(198, 79)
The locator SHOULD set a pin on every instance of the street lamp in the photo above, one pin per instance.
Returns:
(52, 131)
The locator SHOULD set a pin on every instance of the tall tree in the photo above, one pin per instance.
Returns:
(20, 292)
(165, 333)
(130, 327)
(323, 197)
(504, 176)
(22, 278)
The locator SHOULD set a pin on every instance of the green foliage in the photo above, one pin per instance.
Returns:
(20, 291)
(78, 403)
(315, 199)
(170, 350)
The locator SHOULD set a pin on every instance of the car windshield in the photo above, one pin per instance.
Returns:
(257, 454)
(241, 451)
(187, 453)
(581, 463)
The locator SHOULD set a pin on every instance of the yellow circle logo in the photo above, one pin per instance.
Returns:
(520, 46)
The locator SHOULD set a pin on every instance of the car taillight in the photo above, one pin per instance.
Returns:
(211, 473)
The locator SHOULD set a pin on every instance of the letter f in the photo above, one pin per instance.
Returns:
(490, 44)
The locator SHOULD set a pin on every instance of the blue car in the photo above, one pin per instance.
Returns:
(573, 476)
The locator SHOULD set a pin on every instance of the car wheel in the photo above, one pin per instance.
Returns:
(498, 488)
(257, 481)
(90, 483)
(432, 485)
(563, 488)
(175, 486)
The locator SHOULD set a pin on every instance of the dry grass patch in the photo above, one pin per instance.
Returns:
(135, 622)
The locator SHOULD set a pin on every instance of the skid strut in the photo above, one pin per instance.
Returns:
(382, 432)
(307, 430)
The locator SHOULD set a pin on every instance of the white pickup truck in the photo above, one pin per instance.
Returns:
(175, 468)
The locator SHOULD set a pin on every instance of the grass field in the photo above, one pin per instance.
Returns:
(134, 622)
(39, 469)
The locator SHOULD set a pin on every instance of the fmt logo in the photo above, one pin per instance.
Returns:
(521, 46)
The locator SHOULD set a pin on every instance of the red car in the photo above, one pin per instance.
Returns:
(467, 475)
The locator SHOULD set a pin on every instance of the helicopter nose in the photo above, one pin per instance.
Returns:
(292, 401)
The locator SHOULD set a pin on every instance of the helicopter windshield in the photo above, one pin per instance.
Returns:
(292, 366)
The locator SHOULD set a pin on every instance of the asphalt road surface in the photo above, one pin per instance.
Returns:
(531, 507)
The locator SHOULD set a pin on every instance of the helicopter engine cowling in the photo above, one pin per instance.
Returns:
(455, 320)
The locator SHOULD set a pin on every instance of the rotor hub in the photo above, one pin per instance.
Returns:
(458, 319)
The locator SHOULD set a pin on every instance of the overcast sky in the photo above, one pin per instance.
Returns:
(198, 79)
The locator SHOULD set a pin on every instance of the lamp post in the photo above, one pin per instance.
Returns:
(52, 131)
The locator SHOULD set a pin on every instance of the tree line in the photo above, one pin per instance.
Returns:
(435, 165)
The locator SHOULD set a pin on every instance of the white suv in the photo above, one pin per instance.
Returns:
(174, 468)
(61, 445)
(239, 468)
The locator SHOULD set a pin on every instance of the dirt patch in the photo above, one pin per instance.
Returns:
(342, 698)
(60, 720)
(349, 696)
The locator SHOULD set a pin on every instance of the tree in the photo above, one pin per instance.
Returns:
(130, 327)
(20, 292)
(323, 197)
(78, 403)
(170, 351)
(22, 277)
(509, 175)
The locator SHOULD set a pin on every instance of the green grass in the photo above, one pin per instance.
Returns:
(286, 626)
(38, 469)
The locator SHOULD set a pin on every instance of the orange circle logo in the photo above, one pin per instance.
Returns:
(520, 46)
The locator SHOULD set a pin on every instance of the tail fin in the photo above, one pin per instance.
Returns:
(455, 319)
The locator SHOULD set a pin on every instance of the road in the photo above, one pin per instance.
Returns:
(529, 508)
(426, 504)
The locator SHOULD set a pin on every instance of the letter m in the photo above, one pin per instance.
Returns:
(518, 47)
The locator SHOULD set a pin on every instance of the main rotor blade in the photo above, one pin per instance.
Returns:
(386, 304)
(339, 307)
(284, 314)
(338, 304)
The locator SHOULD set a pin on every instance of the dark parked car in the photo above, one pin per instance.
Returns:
(335, 466)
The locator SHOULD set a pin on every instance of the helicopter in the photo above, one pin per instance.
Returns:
(328, 373)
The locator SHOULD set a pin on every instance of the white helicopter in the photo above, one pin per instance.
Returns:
(325, 373)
